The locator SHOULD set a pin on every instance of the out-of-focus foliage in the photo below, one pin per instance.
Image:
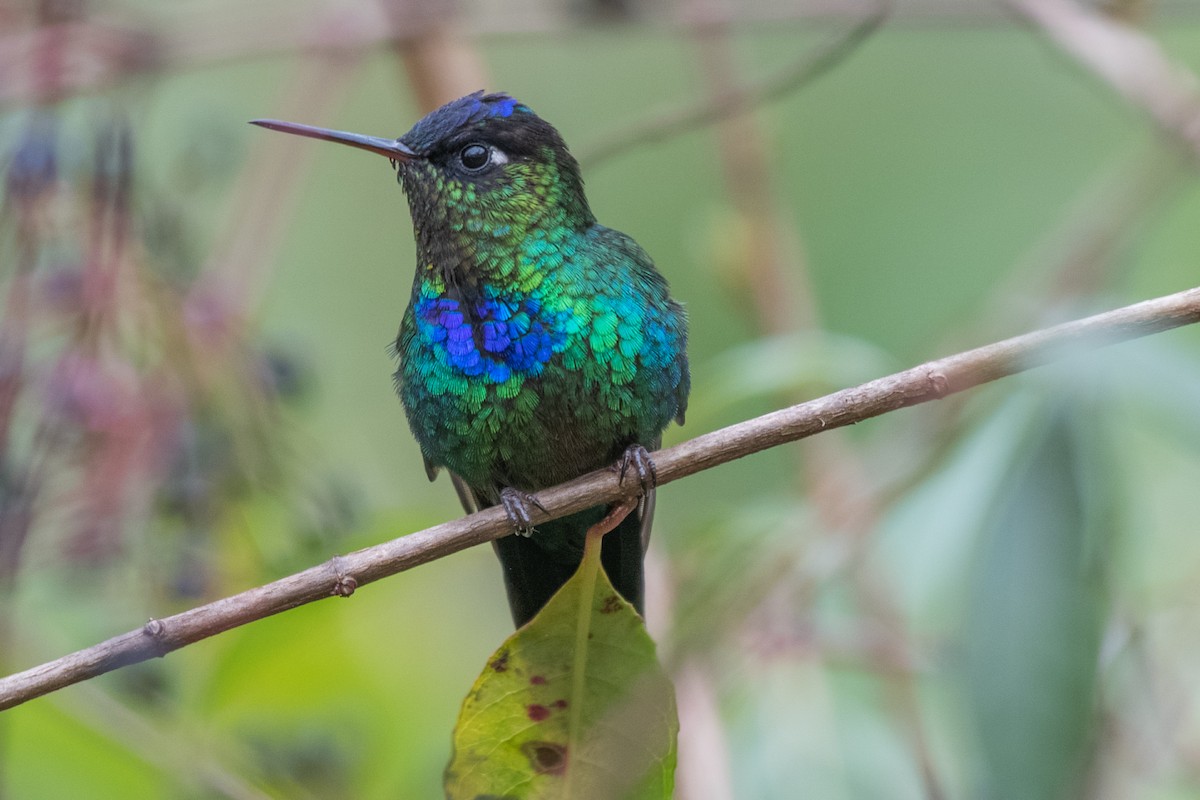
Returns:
(1036, 605)
(993, 596)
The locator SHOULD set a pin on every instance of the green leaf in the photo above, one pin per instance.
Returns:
(574, 704)
(1036, 611)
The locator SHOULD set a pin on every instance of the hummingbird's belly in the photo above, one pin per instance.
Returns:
(522, 393)
(540, 432)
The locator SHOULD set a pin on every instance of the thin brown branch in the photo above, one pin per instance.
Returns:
(110, 49)
(107, 50)
(341, 575)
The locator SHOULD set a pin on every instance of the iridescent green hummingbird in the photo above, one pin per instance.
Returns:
(537, 345)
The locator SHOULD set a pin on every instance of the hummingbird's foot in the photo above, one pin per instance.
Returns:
(516, 505)
(637, 459)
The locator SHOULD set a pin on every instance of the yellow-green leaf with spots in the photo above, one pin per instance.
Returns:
(572, 705)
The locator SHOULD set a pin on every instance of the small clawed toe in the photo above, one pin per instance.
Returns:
(516, 505)
(637, 459)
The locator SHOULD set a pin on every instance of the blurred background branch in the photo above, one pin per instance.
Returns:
(727, 100)
(1131, 62)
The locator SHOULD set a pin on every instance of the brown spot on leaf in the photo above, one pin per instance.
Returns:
(547, 758)
(537, 712)
(538, 680)
(611, 603)
(500, 662)
(559, 704)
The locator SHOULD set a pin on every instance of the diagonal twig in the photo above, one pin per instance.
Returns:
(341, 575)
(1129, 61)
(811, 65)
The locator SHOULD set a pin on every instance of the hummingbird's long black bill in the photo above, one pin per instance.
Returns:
(389, 148)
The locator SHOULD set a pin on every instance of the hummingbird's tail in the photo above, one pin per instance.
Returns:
(536, 566)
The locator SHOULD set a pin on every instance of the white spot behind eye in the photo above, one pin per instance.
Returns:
(498, 156)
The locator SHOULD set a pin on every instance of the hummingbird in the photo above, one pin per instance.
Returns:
(537, 345)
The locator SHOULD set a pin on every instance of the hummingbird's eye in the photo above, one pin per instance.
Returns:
(475, 156)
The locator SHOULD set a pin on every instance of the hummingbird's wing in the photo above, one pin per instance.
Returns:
(431, 469)
(470, 501)
(645, 509)
(645, 513)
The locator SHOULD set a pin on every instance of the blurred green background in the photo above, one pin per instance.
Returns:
(993, 596)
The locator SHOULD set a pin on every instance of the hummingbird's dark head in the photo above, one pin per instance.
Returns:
(486, 161)
(483, 166)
